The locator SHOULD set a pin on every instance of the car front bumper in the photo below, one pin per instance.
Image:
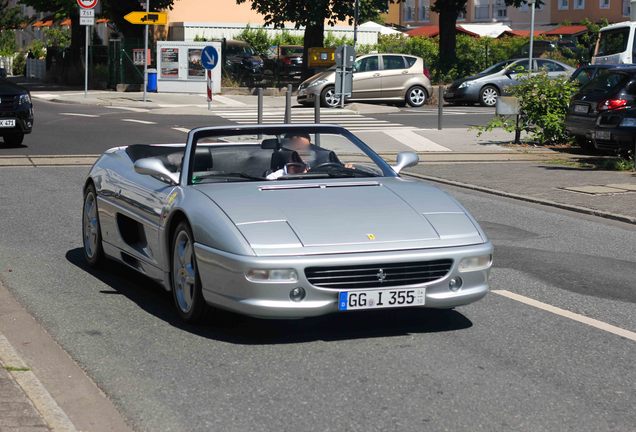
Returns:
(224, 283)
(464, 94)
(23, 121)
(305, 96)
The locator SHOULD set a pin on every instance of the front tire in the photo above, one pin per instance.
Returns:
(184, 277)
(14, 139)
(488, 96)
(328, 97)
(91, 229)
(416, 96)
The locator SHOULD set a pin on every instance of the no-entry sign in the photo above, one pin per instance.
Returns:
(87, 4)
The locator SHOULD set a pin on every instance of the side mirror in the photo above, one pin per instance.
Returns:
(154, 167)
(405, 160)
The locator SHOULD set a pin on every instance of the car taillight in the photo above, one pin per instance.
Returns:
(427, 73)
(611, 104)
(287, 60)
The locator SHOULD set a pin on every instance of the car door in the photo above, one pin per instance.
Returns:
(513, 73)
(394, 74)
(367, 81)
(553, 69)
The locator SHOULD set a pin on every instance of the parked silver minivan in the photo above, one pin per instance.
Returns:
(376, 77)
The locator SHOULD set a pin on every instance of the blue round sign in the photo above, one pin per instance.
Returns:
(209, 57)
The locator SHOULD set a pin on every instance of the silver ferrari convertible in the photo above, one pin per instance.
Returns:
(285, 221)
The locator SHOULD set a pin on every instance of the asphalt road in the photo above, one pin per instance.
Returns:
(83, 129)
(495, 365)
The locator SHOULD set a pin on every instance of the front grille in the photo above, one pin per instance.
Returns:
(7, 102)
(378, 275)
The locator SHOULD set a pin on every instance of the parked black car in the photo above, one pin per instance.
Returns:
(616, 131)
(610, 91)
(587, 73)
(16, 113)
(242, 62)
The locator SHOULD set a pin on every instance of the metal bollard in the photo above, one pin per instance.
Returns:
(259, 113)
(440, 106)
(317, 109)
(288, 96)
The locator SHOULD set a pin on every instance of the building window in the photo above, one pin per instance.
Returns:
(408, 10)
(604, 4)
(579, 4)
(564, 4)
(626, 8)
(500, 10)
(482, 10)
(423, 13)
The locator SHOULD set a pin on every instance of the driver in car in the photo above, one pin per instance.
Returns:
(301, 154)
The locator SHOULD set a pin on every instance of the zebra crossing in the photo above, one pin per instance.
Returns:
(351, 120)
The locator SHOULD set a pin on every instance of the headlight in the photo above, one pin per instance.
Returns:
(475, 263)
(317, 83)
(24, 99)
(465, 84)
(272, 275)
(628, 122)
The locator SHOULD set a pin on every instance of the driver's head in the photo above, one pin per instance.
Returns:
(297, 141)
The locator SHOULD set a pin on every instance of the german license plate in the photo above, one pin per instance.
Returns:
(381, 298)
(582, 109)
(7, 123)
(602, 135)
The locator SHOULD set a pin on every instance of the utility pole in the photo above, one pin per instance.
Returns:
(533, 3)
(146, 54)
(356, 15)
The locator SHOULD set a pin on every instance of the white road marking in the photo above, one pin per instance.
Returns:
(79, 114)
(47, 96)
(133, 109)
(227, 101)
(139, 121)
(567, 314)
(417, 142)
(180, 129)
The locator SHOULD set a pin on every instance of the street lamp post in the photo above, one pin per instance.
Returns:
(533, 3)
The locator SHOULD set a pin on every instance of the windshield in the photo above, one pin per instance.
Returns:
(613, 41)
(606, 81)
(495, 68)
(291, 51)
(287, 154)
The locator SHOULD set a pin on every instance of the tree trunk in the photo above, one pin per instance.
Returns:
(447, 36)
(314, 37)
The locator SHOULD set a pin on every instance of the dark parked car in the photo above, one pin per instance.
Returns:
(16, 113)
(610, 91)
(285, 60)
(242, 62)
(616, 131)
(587, 73)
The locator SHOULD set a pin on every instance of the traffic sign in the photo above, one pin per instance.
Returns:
(209, 57)
(87, 4)
(147, 18)
(87, 16)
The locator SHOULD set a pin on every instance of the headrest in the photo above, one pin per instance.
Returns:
(270, 144)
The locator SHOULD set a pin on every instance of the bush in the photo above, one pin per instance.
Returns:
(286, 38)
(332, 41)
(257, 38)
(19, 63)
(544, 104)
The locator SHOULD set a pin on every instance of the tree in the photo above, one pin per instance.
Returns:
(312, 14)
(448, 11)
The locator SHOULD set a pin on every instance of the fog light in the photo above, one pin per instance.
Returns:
(455, 283)
(475, 263)
(297, 294)
(272, 275)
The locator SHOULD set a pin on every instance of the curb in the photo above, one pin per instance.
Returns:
(44, 403)
(574, 208)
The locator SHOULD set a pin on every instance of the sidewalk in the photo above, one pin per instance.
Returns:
(17, 412)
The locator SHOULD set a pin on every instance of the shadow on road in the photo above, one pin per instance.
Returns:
(233, 328)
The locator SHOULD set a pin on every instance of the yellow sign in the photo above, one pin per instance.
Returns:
(150, 18)
(321, 57)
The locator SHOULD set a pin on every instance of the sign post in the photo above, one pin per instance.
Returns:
(209, 60)
(87, 19)
(345, 57)
(146, 54)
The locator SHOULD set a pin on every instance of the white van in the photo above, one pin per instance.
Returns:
(616, 44)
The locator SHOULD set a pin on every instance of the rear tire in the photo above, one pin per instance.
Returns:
(328, 97)
(91, 229)
(184, 276)
(14, 139)
(416, 96)
(488, 96)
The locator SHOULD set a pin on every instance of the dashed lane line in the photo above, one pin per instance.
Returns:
(568, 314)
(180, 129)
(124, 108)
(79, 114)
(146, 122)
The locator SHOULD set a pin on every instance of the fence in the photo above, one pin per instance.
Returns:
(6, 63)
(35, 69)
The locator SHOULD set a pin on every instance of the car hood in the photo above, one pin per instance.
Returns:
(328, 75)
(8, 88)
(335, 216)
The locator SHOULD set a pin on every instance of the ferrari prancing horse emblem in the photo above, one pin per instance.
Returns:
(371, 236)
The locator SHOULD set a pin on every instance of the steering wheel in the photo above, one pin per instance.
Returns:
(327, 164)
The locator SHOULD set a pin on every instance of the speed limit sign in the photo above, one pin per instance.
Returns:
(87, 4)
